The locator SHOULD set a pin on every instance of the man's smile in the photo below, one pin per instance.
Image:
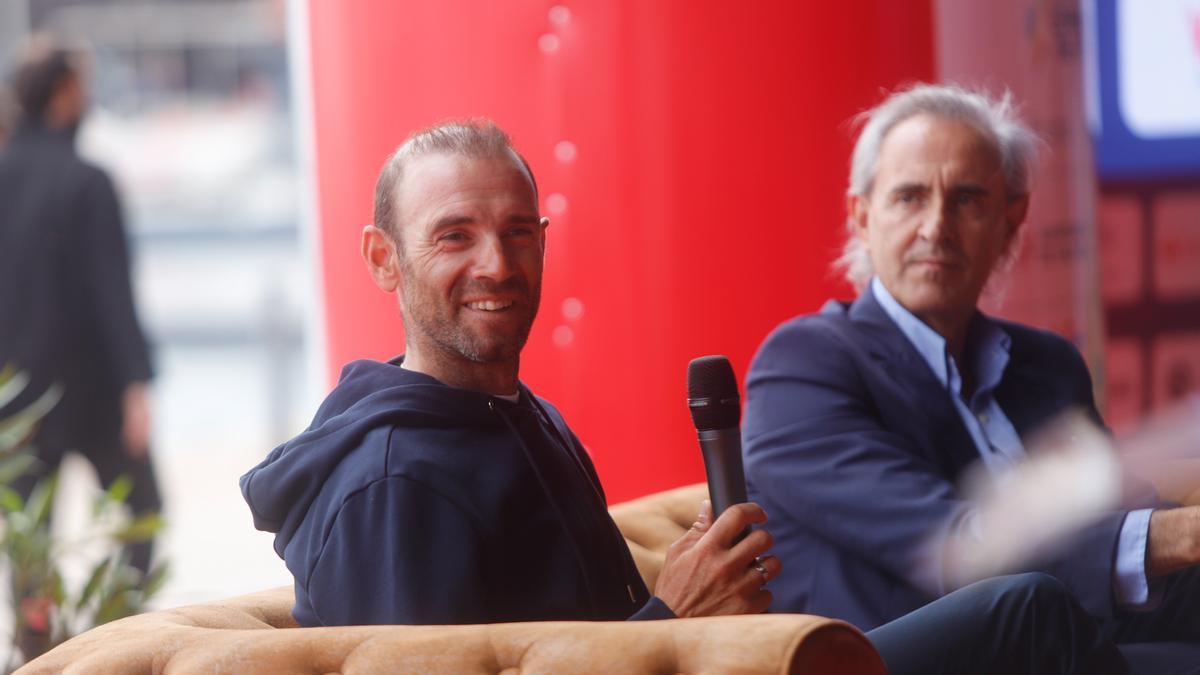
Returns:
(489, 305)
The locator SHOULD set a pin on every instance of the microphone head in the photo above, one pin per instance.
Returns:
(713, 394)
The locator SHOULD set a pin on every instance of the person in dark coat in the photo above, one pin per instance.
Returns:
(67, 318)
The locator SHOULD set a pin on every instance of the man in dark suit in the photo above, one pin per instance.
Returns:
(861, 419)
(66, 307)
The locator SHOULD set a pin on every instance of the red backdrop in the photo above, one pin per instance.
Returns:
(703, 200)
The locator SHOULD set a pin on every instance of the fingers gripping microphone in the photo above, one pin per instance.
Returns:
(716, 411)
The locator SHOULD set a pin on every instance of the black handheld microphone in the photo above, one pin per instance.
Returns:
(717, 412)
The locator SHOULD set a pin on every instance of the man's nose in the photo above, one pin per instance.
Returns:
(935, 222)
(492, 261)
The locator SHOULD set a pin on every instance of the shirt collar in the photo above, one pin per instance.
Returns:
(986, 342)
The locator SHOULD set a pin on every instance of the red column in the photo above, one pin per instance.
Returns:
(692, 156)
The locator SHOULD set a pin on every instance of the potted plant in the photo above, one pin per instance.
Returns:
(45, 609)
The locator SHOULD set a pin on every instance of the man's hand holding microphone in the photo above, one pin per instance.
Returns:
(718, 566)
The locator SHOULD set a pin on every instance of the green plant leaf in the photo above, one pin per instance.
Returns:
(41, 500)
(114, 607)
(15, 465)
(142, 528)
(10, 500)
(93, 582)
(119, 490)
(154, 581)
(12, 383)
(15, 433)
(17, 429)
(58, 592)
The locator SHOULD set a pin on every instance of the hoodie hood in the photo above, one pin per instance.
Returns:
(369, 395)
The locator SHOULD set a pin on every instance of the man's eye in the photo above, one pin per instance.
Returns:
(453, 236)
(522, 231)
(965, 199)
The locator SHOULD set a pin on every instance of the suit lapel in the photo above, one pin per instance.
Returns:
(1025, 394)
(927, 398)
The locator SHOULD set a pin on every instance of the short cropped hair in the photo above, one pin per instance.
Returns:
(476, 138)
(41, 67)
(995, 118)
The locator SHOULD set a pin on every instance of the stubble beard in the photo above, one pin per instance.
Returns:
(439, 324)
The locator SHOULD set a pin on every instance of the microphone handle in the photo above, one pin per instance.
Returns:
(722, 451)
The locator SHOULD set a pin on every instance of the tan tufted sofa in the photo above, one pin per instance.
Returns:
(256, 634)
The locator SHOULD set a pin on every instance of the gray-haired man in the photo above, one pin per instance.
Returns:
(860, 420)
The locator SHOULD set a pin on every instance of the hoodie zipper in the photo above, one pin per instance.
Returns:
(631, 573)
(562, 518)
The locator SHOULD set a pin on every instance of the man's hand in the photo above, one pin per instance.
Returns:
(135, 426)
(1173, 541)
(705, 574)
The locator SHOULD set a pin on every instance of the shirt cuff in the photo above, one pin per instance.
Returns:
(1130, 585)
(653, 610)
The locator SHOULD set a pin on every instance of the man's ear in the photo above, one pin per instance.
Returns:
(382, 258)
(856, 214)
(543, 223)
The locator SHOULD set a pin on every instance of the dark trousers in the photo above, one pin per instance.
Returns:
(1025, 624)
(1165, 641)
(110, 461)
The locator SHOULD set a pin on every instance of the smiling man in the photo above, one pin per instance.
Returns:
(436, 488)
(861, 420)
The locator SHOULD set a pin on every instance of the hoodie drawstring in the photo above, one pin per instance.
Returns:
(562, 518)
(632, 576)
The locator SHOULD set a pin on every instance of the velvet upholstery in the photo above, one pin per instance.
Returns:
(256, 633)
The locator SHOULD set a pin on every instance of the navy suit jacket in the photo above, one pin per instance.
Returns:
(854, 448)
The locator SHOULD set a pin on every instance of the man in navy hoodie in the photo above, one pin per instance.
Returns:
(437, 489)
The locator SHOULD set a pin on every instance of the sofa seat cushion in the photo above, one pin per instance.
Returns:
(241, 636)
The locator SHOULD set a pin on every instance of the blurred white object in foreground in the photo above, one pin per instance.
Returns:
(1075, 474)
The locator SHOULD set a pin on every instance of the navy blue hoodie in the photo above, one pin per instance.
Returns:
(409, 501)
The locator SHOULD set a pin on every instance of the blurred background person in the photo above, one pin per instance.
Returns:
(69, 319)
(190, 113)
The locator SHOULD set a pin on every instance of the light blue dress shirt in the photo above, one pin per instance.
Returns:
(996, 439)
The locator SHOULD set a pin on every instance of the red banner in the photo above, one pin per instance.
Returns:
(692, 156)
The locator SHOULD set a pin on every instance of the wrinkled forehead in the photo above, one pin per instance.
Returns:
(500, 164)
(439, 181)
(924, 144)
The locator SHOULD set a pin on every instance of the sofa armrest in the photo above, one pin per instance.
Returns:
(238, 635)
